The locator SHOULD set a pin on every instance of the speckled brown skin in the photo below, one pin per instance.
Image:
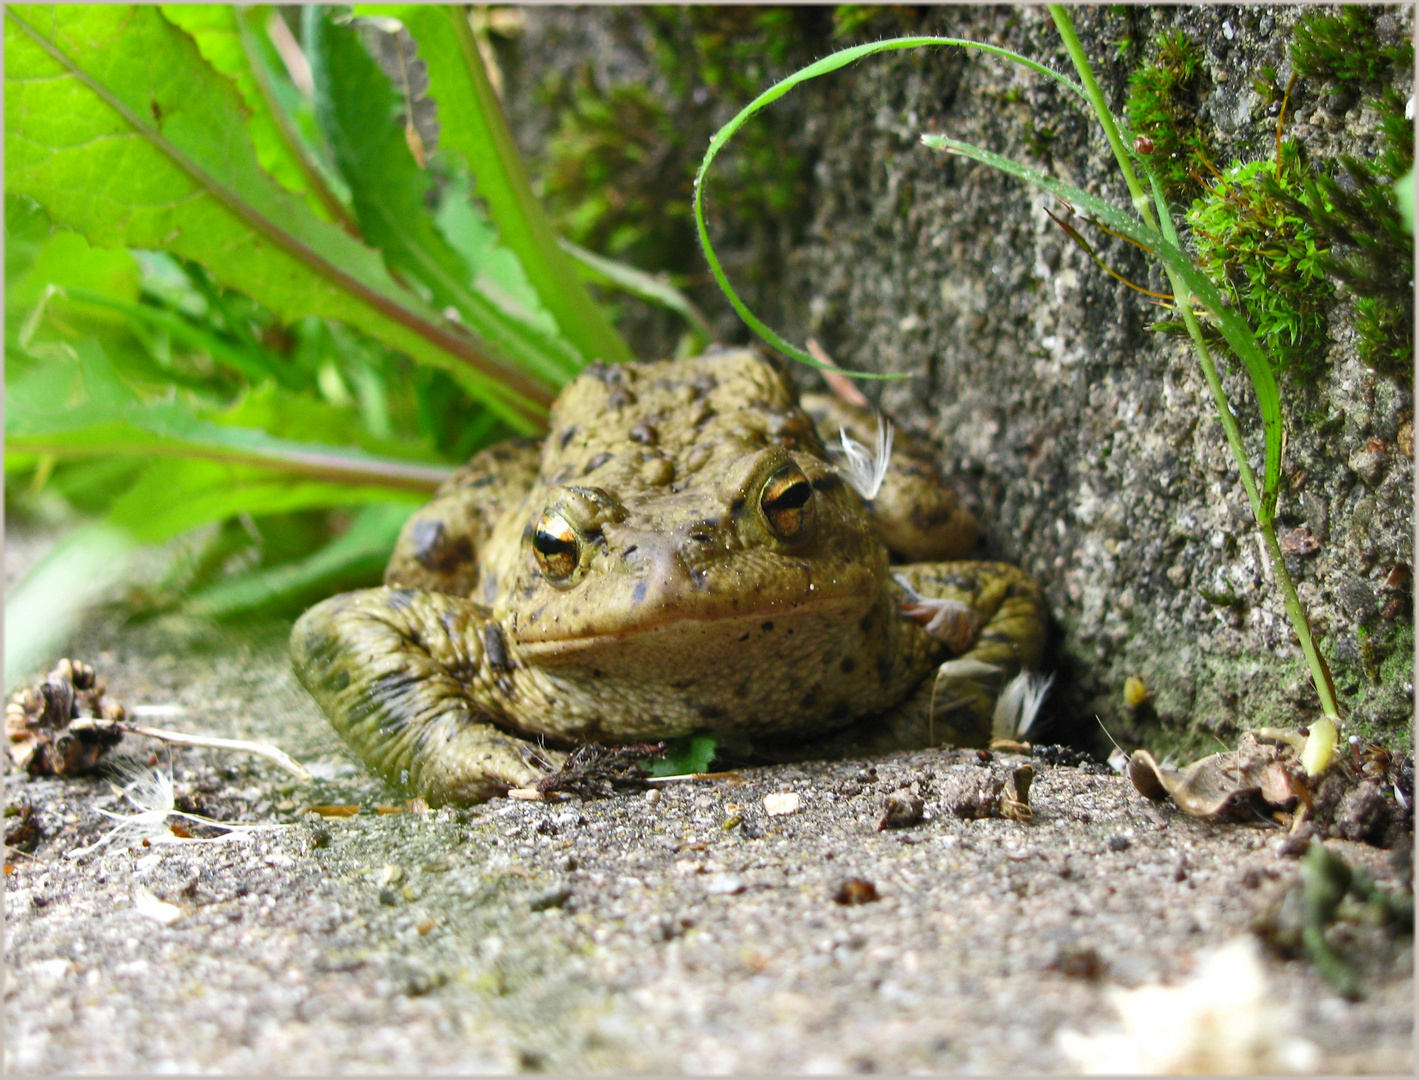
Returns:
(692, 602)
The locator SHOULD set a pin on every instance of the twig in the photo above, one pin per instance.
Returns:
(271, 753)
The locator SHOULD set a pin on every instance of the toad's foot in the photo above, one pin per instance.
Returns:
(400, 673)
(991, 614)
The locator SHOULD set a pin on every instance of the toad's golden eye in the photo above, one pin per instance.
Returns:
(787, 502)
(554, 542)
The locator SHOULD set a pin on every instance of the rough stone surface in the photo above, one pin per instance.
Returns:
(1089, 445)
(643, 933)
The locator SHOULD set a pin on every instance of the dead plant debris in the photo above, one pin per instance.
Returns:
(61, 726)
(1366, 795)
(594, 771)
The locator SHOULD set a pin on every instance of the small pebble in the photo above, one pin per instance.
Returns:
(652, 796)
(554, 897)
(856, 890)
(1119, 843)
(781, 802)
(725, 885)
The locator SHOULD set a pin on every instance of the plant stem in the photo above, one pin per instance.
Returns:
(1263, 504)
(1065, 25)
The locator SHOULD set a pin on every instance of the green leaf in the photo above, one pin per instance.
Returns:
(657, 290)
(357, 556)
(117, 126)
(43, 610)
(688, 754)
(773, 93)
(496, 270)
(175, 495)
(359, 113)
(83, 409)
(65, 260)
(215, 29)
(471, 125)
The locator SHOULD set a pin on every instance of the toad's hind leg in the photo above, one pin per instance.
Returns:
(400, 673)
(991, 617)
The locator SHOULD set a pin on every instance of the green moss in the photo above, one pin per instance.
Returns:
(1253, 239)
(620, 167)
(1353, 204)
(1163, 99)
(1356, 213)
(1342, 44)
(884, 20)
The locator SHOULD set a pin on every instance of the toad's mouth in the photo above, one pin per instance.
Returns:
(697, 636)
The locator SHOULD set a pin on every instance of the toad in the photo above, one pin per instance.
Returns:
(682, 553)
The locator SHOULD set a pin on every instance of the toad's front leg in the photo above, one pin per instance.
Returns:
(408, 676)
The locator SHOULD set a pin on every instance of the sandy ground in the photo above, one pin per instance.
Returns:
(691, 931)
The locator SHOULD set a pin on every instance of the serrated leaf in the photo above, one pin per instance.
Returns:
(472, 126)
(496, 270)
(218, 35)
(66, 260)
(119, 128)
(359, 113)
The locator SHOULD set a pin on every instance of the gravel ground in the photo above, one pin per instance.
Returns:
(642, 932)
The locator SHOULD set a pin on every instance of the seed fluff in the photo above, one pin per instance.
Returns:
(865, 469)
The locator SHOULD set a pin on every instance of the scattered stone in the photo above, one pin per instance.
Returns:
(902, 809)
(555, 897)
(973, 795)
(856, 890)
(782, 802)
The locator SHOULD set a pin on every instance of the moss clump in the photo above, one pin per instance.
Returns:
(850, 20)
(1342, 44)
(1163, 101)
(620, 168)
(1353, 205)
(1252, 238)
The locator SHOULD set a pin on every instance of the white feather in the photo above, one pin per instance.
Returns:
(1019, 703)
(865, 469)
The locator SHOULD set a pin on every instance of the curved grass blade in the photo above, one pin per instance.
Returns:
(119, 128)
(812, 71)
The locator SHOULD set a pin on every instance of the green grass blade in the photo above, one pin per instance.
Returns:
(812, 71)
(117, 126)
(1236, 332)
(471, 124)
(252, 363)
(107, 418)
